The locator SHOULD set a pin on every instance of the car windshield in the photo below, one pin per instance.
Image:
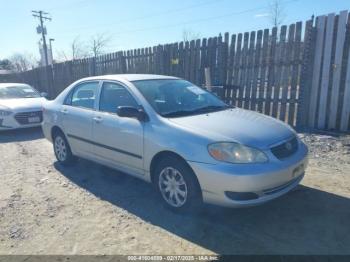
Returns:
(20, 91)
(176, 97)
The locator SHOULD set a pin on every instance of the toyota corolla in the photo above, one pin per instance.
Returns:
(167, 131)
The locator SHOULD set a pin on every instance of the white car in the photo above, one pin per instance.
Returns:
(20, 106)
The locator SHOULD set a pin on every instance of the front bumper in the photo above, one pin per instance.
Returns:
(267, 181)
(10, 123)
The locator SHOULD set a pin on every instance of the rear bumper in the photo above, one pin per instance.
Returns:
(47, 127)
(263, 181)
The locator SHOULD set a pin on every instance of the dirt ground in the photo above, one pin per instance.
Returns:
(88, 209)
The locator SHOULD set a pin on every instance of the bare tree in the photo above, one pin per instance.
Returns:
(95, 47)
(62, 56)
(277, 12)
(23, 62)
(77, 50)
(98, 44)
(6, 64)
(189, 35)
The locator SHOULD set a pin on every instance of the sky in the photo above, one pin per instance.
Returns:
(141, 23)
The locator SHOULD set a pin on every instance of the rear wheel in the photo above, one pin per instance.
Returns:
(177, 185)
(62, 149)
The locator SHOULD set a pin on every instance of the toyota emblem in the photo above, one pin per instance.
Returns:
(289, 146)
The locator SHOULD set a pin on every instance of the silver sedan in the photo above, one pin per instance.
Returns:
(191, 145)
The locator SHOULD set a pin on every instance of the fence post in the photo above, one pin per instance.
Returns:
(306, 76)
(50, 83)
(92, 66)
(123, 62)
(207, 77)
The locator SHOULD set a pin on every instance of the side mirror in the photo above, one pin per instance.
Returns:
(129, 111)
(44, 94)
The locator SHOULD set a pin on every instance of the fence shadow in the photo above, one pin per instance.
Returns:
(306, 221)
(21, 135)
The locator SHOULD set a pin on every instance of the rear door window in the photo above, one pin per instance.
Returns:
(83, 95)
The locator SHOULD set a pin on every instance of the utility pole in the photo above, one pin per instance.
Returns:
(51, 40)
(42, 30)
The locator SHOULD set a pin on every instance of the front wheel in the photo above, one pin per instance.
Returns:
(62, 149)
(177, 185)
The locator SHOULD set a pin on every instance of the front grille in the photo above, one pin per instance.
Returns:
(285, 149)
(241, 196)
(23, 118)
(277, 189)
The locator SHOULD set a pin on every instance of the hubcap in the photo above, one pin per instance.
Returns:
(60, 148)
(173, 187)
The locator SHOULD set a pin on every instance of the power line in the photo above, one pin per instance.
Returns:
(170, 11)
(59, 7)
(199, 20)
(149, 16)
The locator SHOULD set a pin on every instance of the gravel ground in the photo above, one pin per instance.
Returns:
(89, 209)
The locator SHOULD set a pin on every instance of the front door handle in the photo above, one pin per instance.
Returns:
(98, 119)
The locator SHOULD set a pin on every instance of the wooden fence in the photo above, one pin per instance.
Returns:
(299, 73)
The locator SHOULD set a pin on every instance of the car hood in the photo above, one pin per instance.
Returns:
(237, 125)
(22, 103)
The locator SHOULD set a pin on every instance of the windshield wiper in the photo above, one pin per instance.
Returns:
(205, 109)
(210, 109)
(178, 113)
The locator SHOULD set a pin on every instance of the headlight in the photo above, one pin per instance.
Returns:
(236, 153)
(5, 113)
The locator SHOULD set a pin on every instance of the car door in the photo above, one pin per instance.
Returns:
(77, 113)
(118, 140)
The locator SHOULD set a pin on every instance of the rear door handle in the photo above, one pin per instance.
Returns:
(64, 111)
(98, 119)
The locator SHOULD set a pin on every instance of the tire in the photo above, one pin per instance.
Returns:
(179, 177)
(62, 150)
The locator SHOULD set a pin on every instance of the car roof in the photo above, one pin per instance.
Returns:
(129, 77)
(12, 84)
